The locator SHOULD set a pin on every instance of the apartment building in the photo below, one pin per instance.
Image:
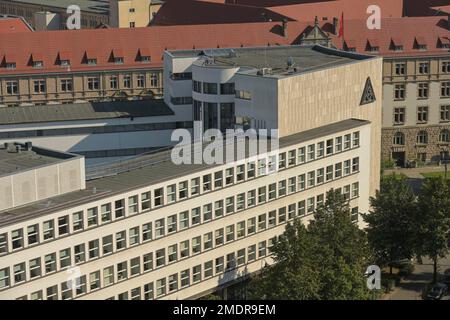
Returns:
(132, 13)
(159, 230)
(102, 132)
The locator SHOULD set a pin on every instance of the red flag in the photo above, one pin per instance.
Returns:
(341, 26)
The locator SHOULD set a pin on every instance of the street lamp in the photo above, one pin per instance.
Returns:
(444, 160)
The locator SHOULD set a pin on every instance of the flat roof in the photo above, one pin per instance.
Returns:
(281, 61)
(84, 111)
(12, 161)
(159, 168)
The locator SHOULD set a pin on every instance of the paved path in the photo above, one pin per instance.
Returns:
(411, 288)
(414, 173)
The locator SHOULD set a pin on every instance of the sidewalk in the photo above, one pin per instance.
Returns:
(414, 173)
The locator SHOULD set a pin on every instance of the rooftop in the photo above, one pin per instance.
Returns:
(17, 157)
(13, 24)
(84, 111)
(95, 6)
(281, 61)
(154, 168)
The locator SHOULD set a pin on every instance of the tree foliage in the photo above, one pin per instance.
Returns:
(325, 260)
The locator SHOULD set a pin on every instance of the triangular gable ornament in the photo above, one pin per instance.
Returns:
(368, 93)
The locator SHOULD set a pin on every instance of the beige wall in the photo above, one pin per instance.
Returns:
(337, 92)
(141, 13)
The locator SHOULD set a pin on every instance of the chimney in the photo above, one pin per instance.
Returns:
(284, 28)
(28, 146)
(335, 25)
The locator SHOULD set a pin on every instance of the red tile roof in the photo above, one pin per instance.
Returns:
(13, 25)
(78, 45)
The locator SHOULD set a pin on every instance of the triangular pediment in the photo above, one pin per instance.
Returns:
(368, 95)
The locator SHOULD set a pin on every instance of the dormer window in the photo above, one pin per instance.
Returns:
(64, 59)
(38, 64)
(65, 63)
(396, 45)
(145, 59)
(10, 65)
(349, 46)
(92, 62)
(144, 55)
(118, 60)
(444, 42)
(420, 44)
(373, 46)
(117, 56)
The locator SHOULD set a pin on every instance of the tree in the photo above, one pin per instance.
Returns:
(326, 260)
(294, 275)
(342, 250)
(433, 220)
(391, 222)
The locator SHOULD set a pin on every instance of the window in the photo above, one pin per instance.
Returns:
(354, 214)
(35, 268)
(207, 241)
(261, 222)
(93, 83)
(132, 204)
(229, 205)
(240, 229)
(424, 67)
(184, 220)
(209, 88)
(399, 92)
(197, 273)
(148, 291)
(66, 85)
(154, 82)
(93, 249)
(262, 167)
(311, 152)
(113, 82)
(399, 115)
(50, 262)
(17, 239)
(135, 266)
(147, 262)
(105, 210)
(445, 89)
(251, 198)
(445, 113)
(63, 225)
(172, 223)
(282, 215)
(171, 193)
(240, 202)
(195, 186)
(346, 192)
(92, 217)
(107, 244)
(183, 190)
(422, 90)
(195, 216)
(94, 280)
(145, 201)
(355, 190)
(119, 208)
(301, 182)
(282, 188)
(173, 282)
(184, 278)
(52, 293)
(35, 295)
(244, 95)
(320, 149)
(207, 183)
(3, 243)
(338, 170)
(66, 291)
(141, 81)
(12, 87)
(282, 161)
(445, 67)
(311, 179)
(329, 174)
(160, 257)
(158, 199)
(422, 114)
(219, 262)
(39, 86)
(272, 221)
(48, 230)
(272, 191)
(184, 249)
(261, 195)
(422, 137)
(122, 271)
(444, 136)
(231, 261)
(134, 236)
(64, 258)
(310, 205)
(159, 228)
(400, 68)
(229, 176)
(291, 211)
(77, 221)
(33, 234)
(346, 167)
(301, 208)
(355, 164)
(132, 25)
(320, 176)
(229, 230)
(262, 249)
(196, 245)
(251, 253)
(121, 241)
(301, 155)
(227, 88)
(292, 185)
(79, 253)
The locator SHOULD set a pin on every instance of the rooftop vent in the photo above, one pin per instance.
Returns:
(264, 71)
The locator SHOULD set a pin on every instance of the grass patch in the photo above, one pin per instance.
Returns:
(436, 174)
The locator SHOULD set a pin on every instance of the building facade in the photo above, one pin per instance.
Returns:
(166, 231)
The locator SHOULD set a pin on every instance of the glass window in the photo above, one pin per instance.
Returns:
(105, 210)
(121, 240)
(64, 258)
(94, 249)
(49, 231)
(145, 201)
(33, 234)
(183, 190)
(158, 198)
(92, 217)
(107, 244)
(132, 204)
(35, 268)
(63, 225)
(171, 193)
(133, 235)
(147, 232)
(195, 216)
(77, 221)
(147, 262)
(119, 208)
(172, 223)
(207, 212)
(184, 220)
(79, 253)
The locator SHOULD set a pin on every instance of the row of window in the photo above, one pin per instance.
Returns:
(96, 130)
(94, 217)
(213, 88)
(400, 68)
(422, 114)
(93, 83)
(421, 138)
(173, 253)
(423, 90)
(196, 186)
(139, 265)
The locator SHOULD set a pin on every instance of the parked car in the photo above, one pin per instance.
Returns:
(438, 291)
